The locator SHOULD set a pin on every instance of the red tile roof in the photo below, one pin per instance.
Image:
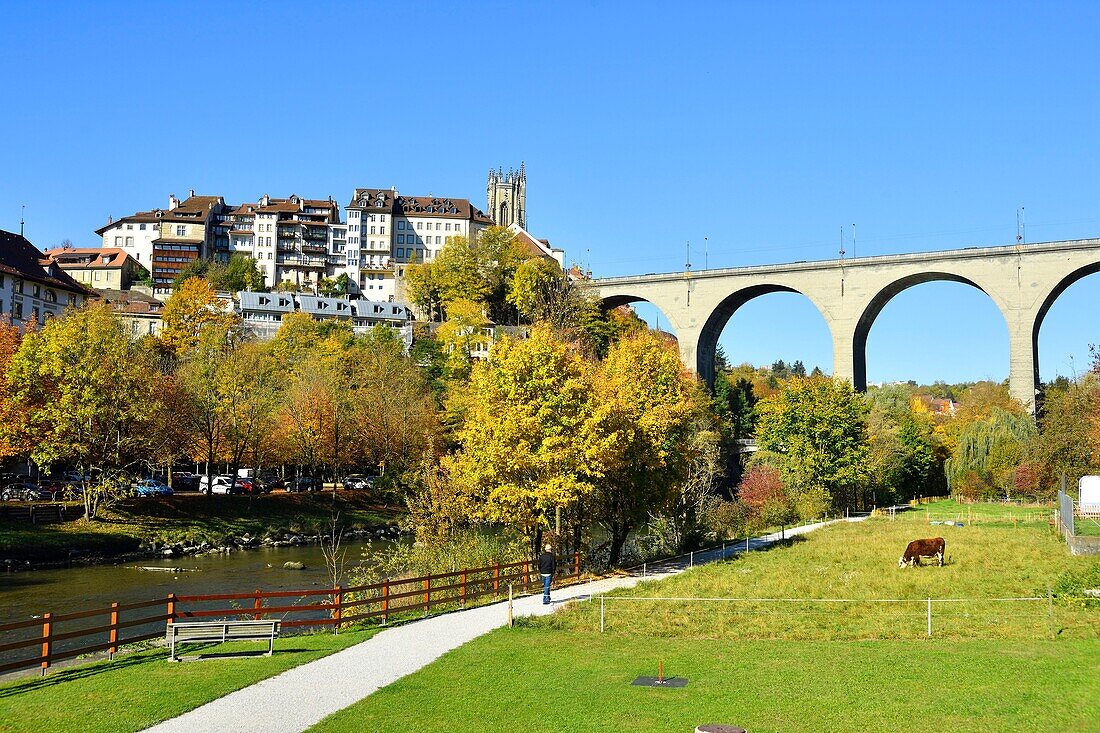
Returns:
(22, 259)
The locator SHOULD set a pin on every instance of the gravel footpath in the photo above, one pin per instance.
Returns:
(300, 697)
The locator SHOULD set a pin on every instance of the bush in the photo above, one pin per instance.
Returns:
(727, 519)
(976, 486)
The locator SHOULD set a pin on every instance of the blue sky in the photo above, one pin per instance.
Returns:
(762, 127)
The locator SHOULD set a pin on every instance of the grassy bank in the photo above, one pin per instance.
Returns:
(140, 689)
(189, 519)
(859, 561)
(540, 681)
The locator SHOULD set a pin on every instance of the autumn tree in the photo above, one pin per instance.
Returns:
(522, 453)
(82, 394)
(462, 334)
(815, 432)
(10, 338)
(638, 439)
(193, 306)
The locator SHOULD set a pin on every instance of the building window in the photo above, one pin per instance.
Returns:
(437, 226)
(447, 226)
(141, 227)
(118, 241)
(400, 224)
(181, 230)
(400, 251)
(418, 224)
(129, 241)
(129, 226)
(400, 238)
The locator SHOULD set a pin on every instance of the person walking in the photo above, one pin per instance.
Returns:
(547, 566)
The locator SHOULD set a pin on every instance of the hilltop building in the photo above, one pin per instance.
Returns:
(31, 286)
(507, 196)
(101, 268)
(166, 240)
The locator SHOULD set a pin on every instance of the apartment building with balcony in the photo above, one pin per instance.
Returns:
(263, 313)
(289, 238)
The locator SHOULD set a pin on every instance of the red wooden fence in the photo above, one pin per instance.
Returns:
(398, 597)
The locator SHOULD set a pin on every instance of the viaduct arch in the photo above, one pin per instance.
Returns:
(1022, 281)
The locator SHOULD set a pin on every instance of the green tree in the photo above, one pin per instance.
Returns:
(815, 432)
(241, 273)
(989, 450)
(82, 393)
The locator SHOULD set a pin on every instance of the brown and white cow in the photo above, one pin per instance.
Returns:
(923, 548)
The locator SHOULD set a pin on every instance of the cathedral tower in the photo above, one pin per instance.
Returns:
(507, 195)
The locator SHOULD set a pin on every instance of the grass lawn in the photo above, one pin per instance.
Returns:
(140, 689)
(187, 518)
(542, 681)
(789, 666)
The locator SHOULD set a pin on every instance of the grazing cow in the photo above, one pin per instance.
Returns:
(923, 548)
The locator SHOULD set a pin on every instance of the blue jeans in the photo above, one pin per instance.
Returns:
(546, 588)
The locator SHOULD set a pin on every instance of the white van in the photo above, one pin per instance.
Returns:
(1088, 501)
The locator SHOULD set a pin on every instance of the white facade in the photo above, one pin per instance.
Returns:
(134, 236)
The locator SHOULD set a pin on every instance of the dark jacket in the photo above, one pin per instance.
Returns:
(547, 564)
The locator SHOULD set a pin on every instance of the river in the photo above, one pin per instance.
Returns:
(29, 594)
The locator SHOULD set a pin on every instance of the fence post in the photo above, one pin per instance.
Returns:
(577, 563)
(496, 580)
(1050, 611)
(526, 575)
(691, 559)
(113, 633)
(337, 612)
(510, 605)
(257, 605)
(929, 616)
(464, 589)
(601, 614)
(385, 600)
(47, 641)
(427, 592)
(171, 607)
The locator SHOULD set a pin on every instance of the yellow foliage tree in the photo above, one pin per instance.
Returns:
(192, 307)
(522, 454)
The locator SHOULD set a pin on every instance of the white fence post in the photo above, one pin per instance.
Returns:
(929, 616)
(601, 614)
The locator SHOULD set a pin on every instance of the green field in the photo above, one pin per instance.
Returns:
(187, 518)
(140, 689)
(799, 666)
(541, 681)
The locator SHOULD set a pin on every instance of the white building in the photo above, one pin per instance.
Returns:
(289, 238)
(263, 313)
(31, 287)
(386, 230)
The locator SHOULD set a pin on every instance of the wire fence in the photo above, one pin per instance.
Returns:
(826, 618)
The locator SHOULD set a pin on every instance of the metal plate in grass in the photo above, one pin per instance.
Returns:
(660, 682)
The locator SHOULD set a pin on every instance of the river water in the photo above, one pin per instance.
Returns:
(29, 594)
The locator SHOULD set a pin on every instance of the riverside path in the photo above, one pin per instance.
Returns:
(301, 697)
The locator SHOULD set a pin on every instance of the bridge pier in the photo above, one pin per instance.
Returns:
(1023, 355)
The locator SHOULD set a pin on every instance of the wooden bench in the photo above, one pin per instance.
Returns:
(197, 632)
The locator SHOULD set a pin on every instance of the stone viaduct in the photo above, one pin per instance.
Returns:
(1023, 281)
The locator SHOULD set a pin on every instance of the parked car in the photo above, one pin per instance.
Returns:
(221, 484)
(304, 483)
(184, 481)
(249, 486)
(152, 487)
(358, 481)
(272, 482)
(27, 491)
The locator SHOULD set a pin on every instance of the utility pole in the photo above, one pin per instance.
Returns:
(22, 211)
